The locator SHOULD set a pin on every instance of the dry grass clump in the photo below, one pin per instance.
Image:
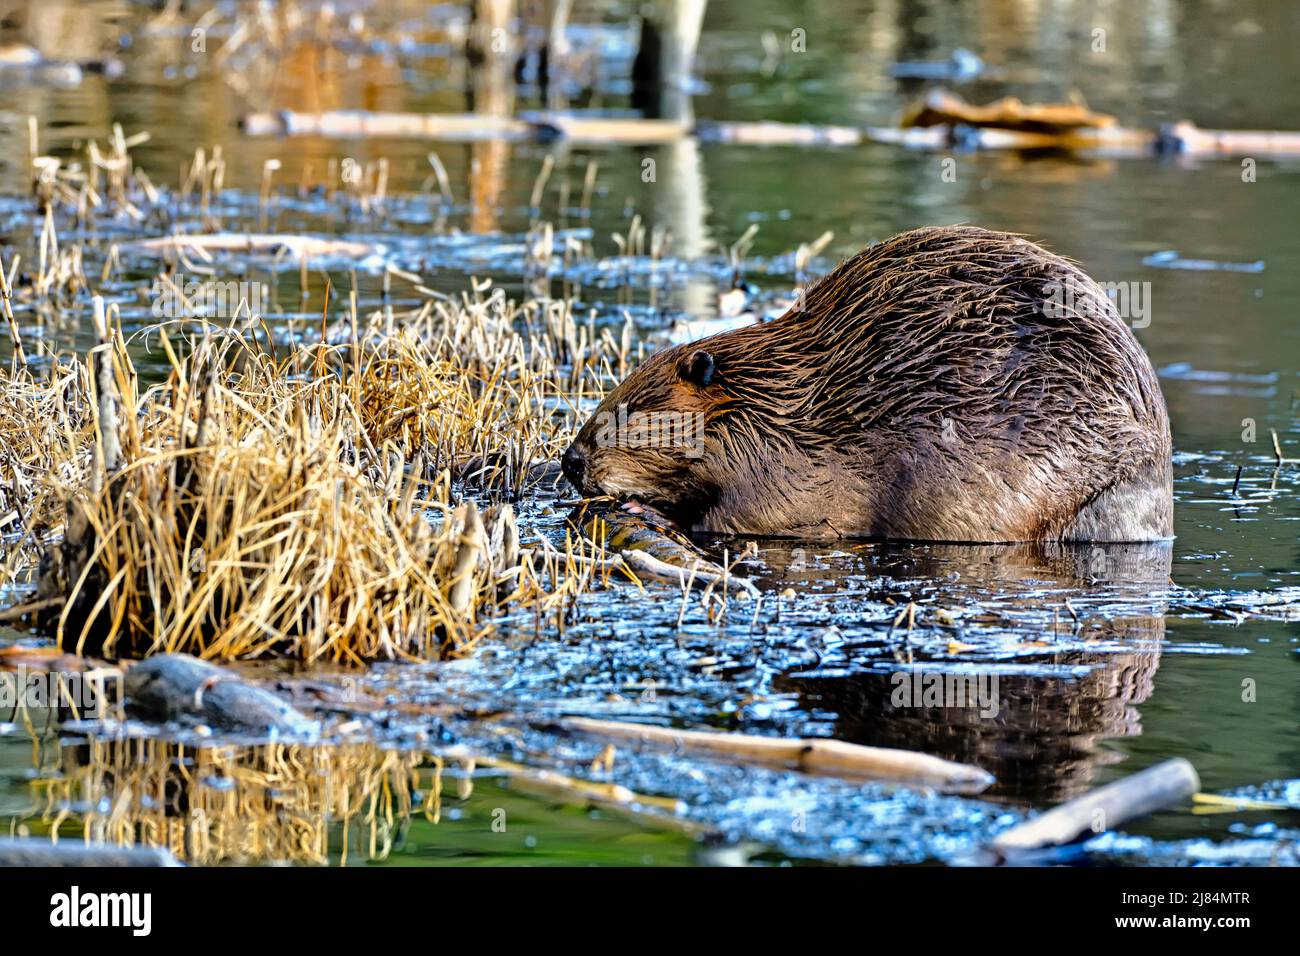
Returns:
(239, 804)
(487, 388)
(302, 504)
(243, 508)
(45, 433)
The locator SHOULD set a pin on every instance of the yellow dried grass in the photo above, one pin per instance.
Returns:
(302, 504)
(255, 505)
(45, 432)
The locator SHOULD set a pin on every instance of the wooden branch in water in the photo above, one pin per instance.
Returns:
(1104, 808)
(646, 565)
(451, 127)
(609, 131)
(304, 247)
(460, 128)
(641, 567)
(1111, 141)
(778, 134)
(810, 755)
(1184, 138)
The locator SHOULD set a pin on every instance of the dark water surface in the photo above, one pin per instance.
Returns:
(1151, 669)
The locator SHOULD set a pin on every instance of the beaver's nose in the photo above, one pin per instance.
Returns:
(574, 465)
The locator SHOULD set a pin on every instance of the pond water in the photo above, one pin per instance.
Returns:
(1107, 660)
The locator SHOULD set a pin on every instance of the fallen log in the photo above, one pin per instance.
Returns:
(778, 134)
(1187, 138)
(1006, 124)
(1104, 808)
(299, 247)
(611, 130)
(809, 755)
(1122, 142)
(177, 687)
(451, 127)
(1113, 141)
(571, 127)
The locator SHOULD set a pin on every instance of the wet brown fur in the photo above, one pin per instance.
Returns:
(922, 392)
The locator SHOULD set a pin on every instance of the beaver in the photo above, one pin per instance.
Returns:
(949, 384)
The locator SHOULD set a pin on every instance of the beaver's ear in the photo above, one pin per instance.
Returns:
(698, 368)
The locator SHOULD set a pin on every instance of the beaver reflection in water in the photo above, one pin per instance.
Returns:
(948, 384)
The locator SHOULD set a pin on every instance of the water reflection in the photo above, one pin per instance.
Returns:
(228, 803)
(1056, 702)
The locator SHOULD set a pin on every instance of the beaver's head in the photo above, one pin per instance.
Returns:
(650, 440)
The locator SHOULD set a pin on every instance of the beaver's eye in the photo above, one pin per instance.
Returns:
(698, 368)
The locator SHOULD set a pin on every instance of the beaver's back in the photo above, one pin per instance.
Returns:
(985, 388)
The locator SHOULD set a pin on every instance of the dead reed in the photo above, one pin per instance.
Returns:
(45, 439)
(108, 182)
(485, 387)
